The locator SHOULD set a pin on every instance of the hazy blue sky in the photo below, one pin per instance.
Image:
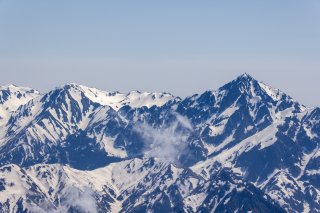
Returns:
(179, 46)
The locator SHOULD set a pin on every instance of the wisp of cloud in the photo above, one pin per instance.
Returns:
(73, 198)
(168, 142)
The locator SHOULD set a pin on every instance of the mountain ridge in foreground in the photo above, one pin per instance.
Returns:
(243, 147)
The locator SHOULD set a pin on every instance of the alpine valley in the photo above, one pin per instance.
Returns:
(245, 147)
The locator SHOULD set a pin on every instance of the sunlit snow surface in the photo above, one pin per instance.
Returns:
(96, 151)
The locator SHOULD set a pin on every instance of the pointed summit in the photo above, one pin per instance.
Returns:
(242, 83)
(245, 77)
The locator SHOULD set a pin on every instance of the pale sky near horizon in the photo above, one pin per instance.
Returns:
(182, 46)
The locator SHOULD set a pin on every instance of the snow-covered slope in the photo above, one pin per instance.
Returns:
(243, 147)
(11, 97)
(116, 100)
(41, 128)
(153, 185)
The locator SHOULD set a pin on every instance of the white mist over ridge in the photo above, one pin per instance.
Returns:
(166, 142)
(73, 198)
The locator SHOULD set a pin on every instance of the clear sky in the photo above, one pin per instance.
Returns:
(179, 46)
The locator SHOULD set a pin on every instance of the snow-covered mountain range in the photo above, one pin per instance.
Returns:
(243, 147)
